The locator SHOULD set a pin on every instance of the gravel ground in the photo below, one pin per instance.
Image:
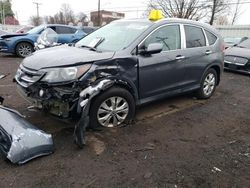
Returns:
(177, 142)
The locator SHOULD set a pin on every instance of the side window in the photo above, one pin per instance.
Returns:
(53, 28)
(65, 30)
(210, 37)
(168, 35)
(194, 37)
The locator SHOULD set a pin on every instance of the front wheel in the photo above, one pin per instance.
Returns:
(112, 108)
(24, 49)
(208, 84)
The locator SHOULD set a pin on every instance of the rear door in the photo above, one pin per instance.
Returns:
(66, 34)
(162, 72)
(198, 54)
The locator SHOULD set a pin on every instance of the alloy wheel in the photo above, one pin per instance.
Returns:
(25, 49)
(209, 84)
(113, 111)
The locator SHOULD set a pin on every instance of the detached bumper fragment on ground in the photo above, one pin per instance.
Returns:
(20, 141)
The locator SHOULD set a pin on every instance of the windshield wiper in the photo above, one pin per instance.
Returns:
(96, 43)
(101, 39)
(89, 47)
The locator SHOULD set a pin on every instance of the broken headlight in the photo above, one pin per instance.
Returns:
(54, 75)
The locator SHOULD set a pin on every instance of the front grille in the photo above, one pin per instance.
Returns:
(236, 60)
(2, 44)
(26, 77)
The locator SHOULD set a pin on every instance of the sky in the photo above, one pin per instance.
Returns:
(134, 8)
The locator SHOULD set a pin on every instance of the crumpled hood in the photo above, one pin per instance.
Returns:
(12, 35)
(63, 56)
(239, 52)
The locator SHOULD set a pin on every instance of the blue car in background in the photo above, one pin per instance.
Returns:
(23, 44)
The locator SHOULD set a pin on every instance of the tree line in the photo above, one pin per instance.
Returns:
(5, 10)
(208, 10)
(65, 16)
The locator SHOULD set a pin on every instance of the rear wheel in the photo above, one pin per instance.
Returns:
(24, 49)
(112, 108)
(208, 84)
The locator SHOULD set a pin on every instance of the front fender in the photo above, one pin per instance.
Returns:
(29, 40)
(86, 97)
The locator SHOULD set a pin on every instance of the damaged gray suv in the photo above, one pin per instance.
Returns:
(103, 77)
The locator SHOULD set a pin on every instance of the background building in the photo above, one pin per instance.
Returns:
(105, 17)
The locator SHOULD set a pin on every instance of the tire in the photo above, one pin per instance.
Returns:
(24, 49)
(122, 98)
(208, 84)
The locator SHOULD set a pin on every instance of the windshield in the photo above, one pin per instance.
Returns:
(245, 44)
(36, 30)
(114, 36)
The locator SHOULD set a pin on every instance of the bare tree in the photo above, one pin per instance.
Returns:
(222, 20)
(67, 13)
(236, 12)
(34, 20)
(189, 9)
(216, 8)
(49, 19)
(82, 17)
(66, 16)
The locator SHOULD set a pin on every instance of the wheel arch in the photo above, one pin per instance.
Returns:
(25, 41)
(128, 86)
(218, 70)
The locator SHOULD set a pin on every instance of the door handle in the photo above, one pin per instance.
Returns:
(180, 57)
(208, 52)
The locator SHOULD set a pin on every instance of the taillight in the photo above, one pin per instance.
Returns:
(222, 47)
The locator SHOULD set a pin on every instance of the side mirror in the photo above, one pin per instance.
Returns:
(152, 48)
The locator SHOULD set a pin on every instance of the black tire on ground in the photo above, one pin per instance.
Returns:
(112, 92)
(200, 94)
(29, 47)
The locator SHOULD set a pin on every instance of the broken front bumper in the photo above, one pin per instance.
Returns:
(20, 141)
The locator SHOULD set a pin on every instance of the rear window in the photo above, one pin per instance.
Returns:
(194, 37)
(210, 37)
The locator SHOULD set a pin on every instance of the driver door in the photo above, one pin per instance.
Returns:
(162, 72)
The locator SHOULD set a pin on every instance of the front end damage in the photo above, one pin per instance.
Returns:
(20, 141)
(73, 99)
(57, 99)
